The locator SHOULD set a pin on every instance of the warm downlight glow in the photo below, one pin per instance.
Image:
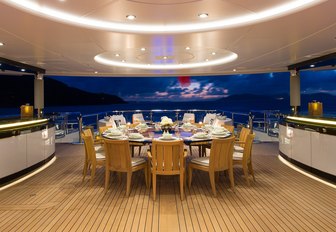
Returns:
(105, 59)
(78, 20)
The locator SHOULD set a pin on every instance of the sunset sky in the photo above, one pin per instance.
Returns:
(202, 87)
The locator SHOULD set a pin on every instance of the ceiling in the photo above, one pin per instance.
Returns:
(165, 28)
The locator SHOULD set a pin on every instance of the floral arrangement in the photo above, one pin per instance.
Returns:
(166, 124)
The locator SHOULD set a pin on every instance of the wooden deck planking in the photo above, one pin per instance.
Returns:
(57, 200)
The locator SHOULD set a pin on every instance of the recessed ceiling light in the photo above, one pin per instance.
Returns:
(234, 70)
(213, 53)
(2, 44)
(96, 72)
(23, 70)
(187, 48)
(206, 60)
(130, 17)
(312, 65)
(62, 0)
(203, 15)
(272, 12)
(117, 54)
(143, 49)
(165, 57)
(123, 61)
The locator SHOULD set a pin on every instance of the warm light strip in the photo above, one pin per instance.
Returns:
(284, 161)
(30, 174)
(100, 59)
(321, 121)
(17, 124)
(276, 11)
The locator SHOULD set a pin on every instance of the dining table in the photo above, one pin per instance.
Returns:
(140, 136)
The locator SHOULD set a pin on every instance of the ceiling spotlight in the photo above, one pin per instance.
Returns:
(123, 61)
(117, 54)
(312, 65)
(96, 72)
(187, 48)
(143, 49)
(130, 17)
(234, 70)
(203, 15)
(213, 53)
(2, 44)
(165, 57)
(206, 60)
(23, 70)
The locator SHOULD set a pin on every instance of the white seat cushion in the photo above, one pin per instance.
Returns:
(137, 161)
(238, 148)
(99, 148)
(201, 161)
(100, 155)
(237, 155)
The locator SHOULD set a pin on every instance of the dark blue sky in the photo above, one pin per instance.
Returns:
(202, 87)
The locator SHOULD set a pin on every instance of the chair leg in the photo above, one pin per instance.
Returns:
(200, 154)
(154, 186)
(119, 176)
(146, 176)
(128, 183)
(231, 177)
(181, 185)
(107, 179)
(189, 176)
(250, 167)
(212, 182)
(140, 150)
(245, 170)
(93, 173)
(86, 166)
(190, 150)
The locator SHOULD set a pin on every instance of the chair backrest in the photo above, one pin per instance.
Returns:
(221, 154)
(243, 135)
(189, 117)
(248, 148)
(90, 152)
(229, 128)
(167, 157)
(118, 156)
(102, 129)
(138, 118)
(119, 119)
(209, 118)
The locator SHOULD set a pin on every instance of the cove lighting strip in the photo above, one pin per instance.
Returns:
(18, 124)
(30, 174)
(312, 120)
(304, 172)
(227, 59)
(247, 19)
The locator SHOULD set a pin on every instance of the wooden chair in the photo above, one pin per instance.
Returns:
(229, 128)
(188, 117)
(97, 143)
(220, 159)
(101, 130)
(92, 158)
(168, 158)
(245, 158)
(240, 143)
(118, 159)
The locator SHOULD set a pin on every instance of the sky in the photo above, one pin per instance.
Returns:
(197, 88)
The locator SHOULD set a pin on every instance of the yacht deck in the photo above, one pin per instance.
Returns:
(281, 199)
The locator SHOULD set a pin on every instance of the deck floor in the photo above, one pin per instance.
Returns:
(280, 200)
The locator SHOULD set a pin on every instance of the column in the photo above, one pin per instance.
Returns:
(39, 94)
(295, 92)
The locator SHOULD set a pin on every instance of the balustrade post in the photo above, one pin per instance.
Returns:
(80, 127)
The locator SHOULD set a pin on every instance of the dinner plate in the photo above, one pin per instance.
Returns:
(118, 137)
(167, 139)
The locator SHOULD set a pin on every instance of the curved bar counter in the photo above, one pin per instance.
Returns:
(25, 145)
(310, 143)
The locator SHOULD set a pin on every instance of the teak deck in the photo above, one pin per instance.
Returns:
(280, 200)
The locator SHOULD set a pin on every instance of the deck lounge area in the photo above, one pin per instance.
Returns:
(281, 199)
